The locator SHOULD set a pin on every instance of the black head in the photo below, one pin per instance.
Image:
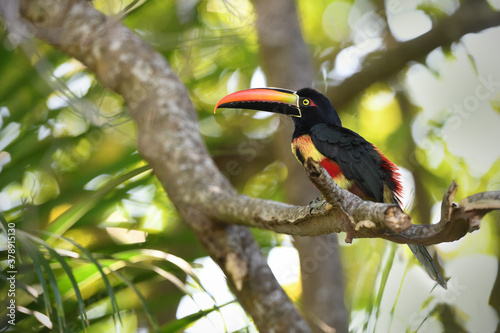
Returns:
(315, 109)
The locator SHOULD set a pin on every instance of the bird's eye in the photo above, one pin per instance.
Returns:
(305, 102)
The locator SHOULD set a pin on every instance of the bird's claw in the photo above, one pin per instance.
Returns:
(316, 203)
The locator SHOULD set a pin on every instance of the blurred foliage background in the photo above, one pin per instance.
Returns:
(99, 243)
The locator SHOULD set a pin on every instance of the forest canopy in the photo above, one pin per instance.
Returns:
(115, 174)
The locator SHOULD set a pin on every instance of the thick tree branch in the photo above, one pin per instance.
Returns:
(170, 142)
(382, 65)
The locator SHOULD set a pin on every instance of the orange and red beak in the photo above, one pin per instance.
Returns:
(263, 99)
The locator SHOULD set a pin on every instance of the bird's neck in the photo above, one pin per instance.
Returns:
(304, 127)
(301, 128)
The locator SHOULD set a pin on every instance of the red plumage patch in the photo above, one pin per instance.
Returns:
(331, 167)
(394, 178)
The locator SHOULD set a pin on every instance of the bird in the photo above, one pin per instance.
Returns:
(354, 163)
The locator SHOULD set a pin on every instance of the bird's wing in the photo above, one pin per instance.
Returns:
(358, 159)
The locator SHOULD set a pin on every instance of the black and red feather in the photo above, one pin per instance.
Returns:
(358, 160)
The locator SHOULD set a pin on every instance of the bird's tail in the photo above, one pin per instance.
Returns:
(426, 260)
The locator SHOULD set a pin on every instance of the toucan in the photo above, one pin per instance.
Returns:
(355, 164)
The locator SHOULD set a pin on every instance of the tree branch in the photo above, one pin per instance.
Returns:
(381, 65)
(346, 212)
(170, 142)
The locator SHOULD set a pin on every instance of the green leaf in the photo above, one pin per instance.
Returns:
(185, 322)
(105, 280)
(66, 220)
(147, 254)
(69, 273)
(145, 305)
(393, 309)
(39, 261)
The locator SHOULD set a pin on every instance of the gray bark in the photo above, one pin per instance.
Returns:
(170, 142)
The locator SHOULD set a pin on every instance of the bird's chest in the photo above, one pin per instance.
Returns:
(303, 149)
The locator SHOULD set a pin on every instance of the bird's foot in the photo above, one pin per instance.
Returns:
(316, 204)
